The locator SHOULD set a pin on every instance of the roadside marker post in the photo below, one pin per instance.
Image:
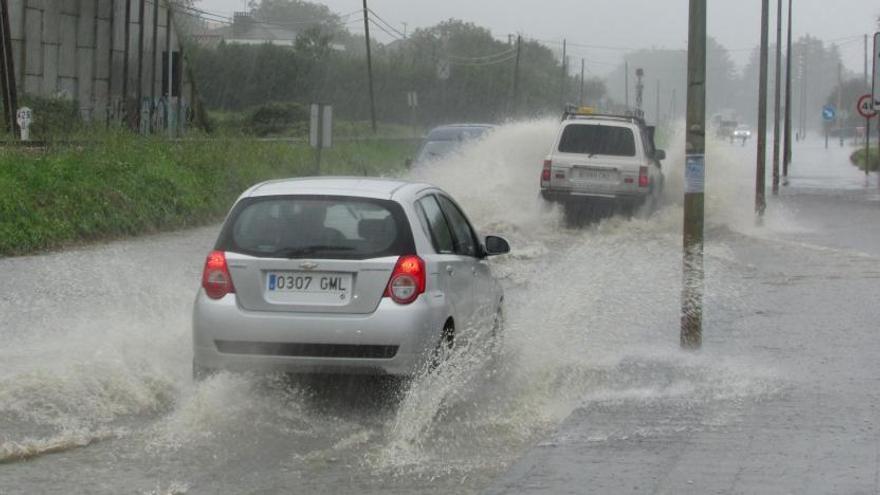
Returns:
(24, 117)
(866, 109)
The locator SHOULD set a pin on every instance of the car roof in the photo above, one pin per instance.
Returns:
(601, 120)
(364, 187)
(452, 132)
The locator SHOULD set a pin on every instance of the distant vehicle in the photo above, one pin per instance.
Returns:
(742, 133)
(725, 129)
(443, 140)
(598, 160)
(343, 275)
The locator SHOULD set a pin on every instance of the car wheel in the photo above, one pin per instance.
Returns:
(444, 346)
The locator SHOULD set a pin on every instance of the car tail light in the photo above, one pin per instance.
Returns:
(215, 279)
(643, 176)
(407, 280)
(545, 173)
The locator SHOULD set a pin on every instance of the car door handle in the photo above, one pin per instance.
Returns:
(450, 270)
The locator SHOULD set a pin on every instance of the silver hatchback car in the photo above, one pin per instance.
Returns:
(342, 275)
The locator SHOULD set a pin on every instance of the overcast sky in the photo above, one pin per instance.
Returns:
(600, 30)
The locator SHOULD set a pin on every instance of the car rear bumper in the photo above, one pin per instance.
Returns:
(394, 339)
(572, 196)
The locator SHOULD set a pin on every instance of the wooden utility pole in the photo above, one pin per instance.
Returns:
(7, 70)
(657, 117)
(514, 103)
(777, 104)
(581, 94)
(786, 152)
(760, 200)
(564, 76)
(369, 66)
(153, 78)
(140, 70)
(126, 54)
(694, 183)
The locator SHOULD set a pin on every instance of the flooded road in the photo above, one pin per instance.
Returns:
(96, 395)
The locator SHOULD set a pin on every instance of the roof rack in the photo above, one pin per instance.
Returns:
(574, 111)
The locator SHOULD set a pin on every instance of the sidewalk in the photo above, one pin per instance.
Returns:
(810, 318)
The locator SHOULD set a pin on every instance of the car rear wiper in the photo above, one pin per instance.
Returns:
(305, 251)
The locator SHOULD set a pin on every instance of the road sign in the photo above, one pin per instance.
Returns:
(829, 113)
(321, 126)
(866, 107)
(875, 86)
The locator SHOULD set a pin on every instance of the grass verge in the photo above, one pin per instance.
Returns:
(124, 185)
(858, 159)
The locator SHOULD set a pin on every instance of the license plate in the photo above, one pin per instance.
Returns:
(593, 174)
(308, 283)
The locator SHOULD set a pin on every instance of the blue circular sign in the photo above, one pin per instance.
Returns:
(829, 112)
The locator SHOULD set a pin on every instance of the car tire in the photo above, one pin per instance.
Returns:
(444, 346)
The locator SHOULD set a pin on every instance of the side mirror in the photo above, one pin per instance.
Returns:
(496, 245)
(659, 155)
(408, 162)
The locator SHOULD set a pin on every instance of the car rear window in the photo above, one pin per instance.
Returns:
(317, 227)
(596, 139)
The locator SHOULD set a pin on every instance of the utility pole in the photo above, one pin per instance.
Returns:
(126, 49)
(760, 201)
(673, 105)
(776, 98)
(786, 153)
(514, 104)
(640, 89)
(564, 75)
(369, 66)
(140, 58)
(695, 162)
(626, 83)
(581, 97)
(7, 70)
(839, 116)
(803, 113)
(657, 117)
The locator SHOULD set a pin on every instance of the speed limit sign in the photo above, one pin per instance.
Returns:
(866, 107)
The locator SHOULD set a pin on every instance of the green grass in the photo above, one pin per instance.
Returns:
(858, 159)
(125, 185)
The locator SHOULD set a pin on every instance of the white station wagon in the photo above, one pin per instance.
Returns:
(343, 275)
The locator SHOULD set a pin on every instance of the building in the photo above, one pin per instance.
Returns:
(246, 30)
(110, 56)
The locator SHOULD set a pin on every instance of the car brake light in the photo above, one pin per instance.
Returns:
(215, 279)
(545, 173)
(407, 280)
(643, 176)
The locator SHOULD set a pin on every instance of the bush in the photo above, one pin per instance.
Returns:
(858, 159)
(276, 118)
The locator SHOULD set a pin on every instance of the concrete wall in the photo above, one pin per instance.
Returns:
(76, 49)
